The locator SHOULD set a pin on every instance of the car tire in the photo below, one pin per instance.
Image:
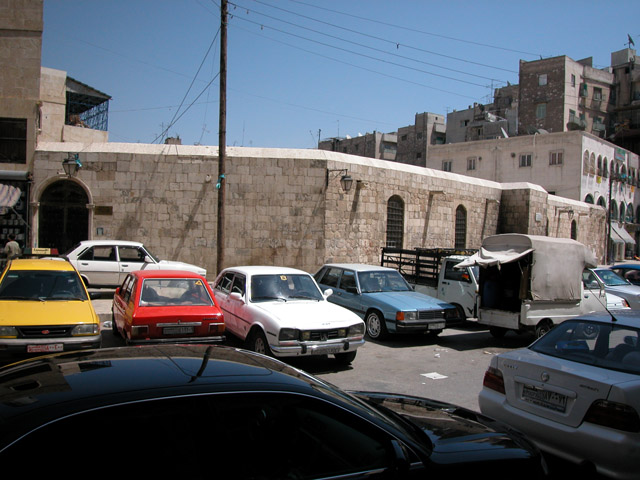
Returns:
(258, 343)
(376, 328)
(345, 358)
(114, 326)
(543, 328)
(497, 332)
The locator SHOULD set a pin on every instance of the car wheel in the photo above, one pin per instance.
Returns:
(461, 314)
(258, 343)
(376, 328)
(345, 358)
(114, 326)
(497, 332)
(543, 328)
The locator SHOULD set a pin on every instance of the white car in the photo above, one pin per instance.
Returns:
(575, 392)
(282, 312)
(106, 263)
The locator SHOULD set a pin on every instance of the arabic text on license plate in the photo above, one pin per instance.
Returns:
(544, 398)
(436, 326)
(52, 347)
(177, 330)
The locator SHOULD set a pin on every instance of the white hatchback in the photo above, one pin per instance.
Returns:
(575, 392)
(282, 312)
(106, 263)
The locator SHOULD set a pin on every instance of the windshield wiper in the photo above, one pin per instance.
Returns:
(306, 297)
(265, 297)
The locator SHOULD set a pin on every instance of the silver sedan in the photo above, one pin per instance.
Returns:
(575, 392)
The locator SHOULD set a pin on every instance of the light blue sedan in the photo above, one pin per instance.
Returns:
(384, 299)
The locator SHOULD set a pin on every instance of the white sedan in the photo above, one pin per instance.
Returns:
(282, 312)
(575, 392)
(106, 263)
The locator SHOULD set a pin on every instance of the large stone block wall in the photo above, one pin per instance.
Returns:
(286, 207)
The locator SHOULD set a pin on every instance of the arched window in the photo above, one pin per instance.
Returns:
(574, 230)
(599, 171)
(589, 199)
(614, 210)
(605, 167)
(395, 222)
(602, 202)
(630, 213)
(592, 164)
(622, 212)
(461, 227)
(585, 163)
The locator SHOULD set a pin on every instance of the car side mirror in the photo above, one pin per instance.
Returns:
(117, 292)
(236, 296)
(148, 259)
(327, 293)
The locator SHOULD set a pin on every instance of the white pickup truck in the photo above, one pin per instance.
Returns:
(432, 271)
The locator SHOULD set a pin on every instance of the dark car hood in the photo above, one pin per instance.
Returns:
(457, 435)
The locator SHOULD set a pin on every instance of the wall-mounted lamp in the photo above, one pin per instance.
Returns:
(71, 164)
(345, 180)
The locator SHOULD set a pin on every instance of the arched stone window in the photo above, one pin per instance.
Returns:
(592, 164)
(395, 222)
(585, 163)
(589, 199)
(614, 210)
(602, 202)
(574, 230)
(599, 171)
(461, 227)
(605, 166)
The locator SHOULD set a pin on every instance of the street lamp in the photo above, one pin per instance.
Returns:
(346, 181)
(71, 164)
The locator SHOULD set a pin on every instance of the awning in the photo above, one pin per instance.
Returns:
(488, 258)
(9, 196)
(622, 234)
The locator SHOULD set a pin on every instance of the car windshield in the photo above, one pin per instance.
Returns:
(605, 345)
(42, 285)
(611, 278)
(382, 281)
(284, 287)
(162, 292)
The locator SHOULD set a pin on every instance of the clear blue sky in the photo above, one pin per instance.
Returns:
(303, 69)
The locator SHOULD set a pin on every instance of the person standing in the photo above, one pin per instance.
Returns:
(12, 249)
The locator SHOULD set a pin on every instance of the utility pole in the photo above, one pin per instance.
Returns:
(222, 135)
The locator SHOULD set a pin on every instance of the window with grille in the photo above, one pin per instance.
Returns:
(555, 158)
(395, 222)
(461, 227)
(525, 160)
(471, 163)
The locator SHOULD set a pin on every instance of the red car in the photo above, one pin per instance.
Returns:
(166, 306)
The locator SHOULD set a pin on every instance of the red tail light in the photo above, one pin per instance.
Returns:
(613, 415)
(493, 379)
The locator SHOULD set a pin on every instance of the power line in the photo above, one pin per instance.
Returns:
(416, 30)
(392, 42)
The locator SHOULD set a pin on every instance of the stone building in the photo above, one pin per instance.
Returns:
(414, 140)
(282, 206)
(372, 145)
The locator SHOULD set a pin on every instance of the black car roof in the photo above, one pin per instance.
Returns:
(33, 391)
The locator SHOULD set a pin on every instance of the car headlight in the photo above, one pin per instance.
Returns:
(86, 329)
(289, 334)
(403, 316)
(8, 332)
(356, 330)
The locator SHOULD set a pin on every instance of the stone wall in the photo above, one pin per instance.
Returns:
(284, 207)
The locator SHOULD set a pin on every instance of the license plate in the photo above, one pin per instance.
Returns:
(544, 398)
(177, 330)
(53, 347)
(336, 349)
(436, 326)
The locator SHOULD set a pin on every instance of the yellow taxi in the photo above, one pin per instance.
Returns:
(44, 308)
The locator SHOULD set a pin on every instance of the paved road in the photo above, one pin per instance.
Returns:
(448, 368)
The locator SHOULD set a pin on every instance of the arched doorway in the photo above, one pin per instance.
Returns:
(63, 218)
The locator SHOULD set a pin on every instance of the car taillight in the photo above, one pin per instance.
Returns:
(493, 379)
(613, 415)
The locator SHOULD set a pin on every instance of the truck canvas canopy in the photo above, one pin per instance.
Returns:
(556, 265)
